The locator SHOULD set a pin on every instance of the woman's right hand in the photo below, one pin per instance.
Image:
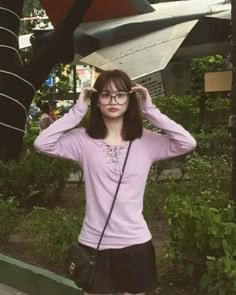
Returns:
(85, 94)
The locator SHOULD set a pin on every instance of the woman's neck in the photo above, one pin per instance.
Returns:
(114, 130)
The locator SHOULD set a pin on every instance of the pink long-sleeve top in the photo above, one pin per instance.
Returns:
(102, 164)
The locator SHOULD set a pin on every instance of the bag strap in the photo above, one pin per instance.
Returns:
(115, 197)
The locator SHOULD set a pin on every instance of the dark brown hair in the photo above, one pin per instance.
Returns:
(132, 126)
(45, 108)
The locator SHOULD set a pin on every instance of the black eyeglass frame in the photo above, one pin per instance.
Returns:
(115, 98)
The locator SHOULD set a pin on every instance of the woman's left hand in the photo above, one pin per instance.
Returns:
(143, 95)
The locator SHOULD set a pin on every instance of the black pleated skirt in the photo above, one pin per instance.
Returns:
(131, 269)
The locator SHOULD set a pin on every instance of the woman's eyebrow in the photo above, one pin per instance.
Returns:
(107, 91)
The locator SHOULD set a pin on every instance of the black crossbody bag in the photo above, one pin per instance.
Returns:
(80, 263)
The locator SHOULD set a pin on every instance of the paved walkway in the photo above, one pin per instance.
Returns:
(6, 290)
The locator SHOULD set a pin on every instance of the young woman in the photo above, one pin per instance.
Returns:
(126, 260)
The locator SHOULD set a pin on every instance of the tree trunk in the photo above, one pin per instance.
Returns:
(10, 13)
(18, 83)
(232, 121)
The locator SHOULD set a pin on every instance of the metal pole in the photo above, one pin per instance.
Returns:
(232, 119)
(74, 83)
(54, 84)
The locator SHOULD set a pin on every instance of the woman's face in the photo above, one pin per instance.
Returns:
(113, 102)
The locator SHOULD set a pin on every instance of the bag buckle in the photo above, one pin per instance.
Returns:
(91, 262)
(72, 268)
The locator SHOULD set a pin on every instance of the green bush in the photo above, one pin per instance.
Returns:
(207, 173)
(218, 104)
(184, 110)
(33, 132)
(34, 179)
(9, 219)
(152, 203)
(201, 222)
(214, 142)
(203, 240)
(200, 176)
(52, 231)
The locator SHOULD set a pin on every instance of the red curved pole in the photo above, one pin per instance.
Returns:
(99, 10)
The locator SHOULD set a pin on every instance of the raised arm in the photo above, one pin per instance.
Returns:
(62, 139)
(175, 142)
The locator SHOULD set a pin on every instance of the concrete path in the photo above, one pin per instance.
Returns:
(6, 290)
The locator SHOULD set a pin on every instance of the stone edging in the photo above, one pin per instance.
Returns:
(34, 280)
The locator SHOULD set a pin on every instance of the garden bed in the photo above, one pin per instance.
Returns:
(22, 249)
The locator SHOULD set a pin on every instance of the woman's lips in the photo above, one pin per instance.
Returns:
(113, 110)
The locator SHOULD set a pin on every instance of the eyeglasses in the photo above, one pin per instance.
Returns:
(105, 98)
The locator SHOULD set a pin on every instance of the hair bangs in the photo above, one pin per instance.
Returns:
(119, 84)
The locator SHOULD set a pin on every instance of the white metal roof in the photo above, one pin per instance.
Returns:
(142, 55)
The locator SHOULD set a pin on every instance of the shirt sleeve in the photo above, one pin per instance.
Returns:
(175, 142)
(45, 122)
(61, 139)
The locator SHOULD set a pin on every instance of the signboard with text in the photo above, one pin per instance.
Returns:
(153, 82)
(218, 81)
